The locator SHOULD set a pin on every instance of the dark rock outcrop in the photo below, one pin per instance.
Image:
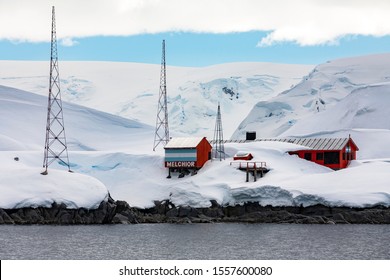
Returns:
(120, 212)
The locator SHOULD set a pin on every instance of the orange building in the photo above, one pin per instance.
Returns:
(335, 153)
(243, 156)
(187, 152)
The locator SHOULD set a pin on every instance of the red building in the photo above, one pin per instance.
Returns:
(243, 156)
(335, 153)
(187, 152)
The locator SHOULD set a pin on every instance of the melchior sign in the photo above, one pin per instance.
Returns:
(180, 164)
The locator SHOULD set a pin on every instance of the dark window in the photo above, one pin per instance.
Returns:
(320, 156)
(251, 135)
(331, 158)
(349, 156)
(307, 156)
(348, 153)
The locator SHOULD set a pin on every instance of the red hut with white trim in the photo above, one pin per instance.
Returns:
(187, 152)
(335, 153)
(243, 155)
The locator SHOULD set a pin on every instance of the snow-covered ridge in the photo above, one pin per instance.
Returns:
(131, 89)
(338, 95)
(23, 122)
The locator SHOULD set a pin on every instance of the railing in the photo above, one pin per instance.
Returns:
(288, 140)
(253, 167)
(250, 164)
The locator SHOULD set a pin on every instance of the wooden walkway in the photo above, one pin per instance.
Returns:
(256, 168)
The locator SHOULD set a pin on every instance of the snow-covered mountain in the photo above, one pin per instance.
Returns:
(131, 90)
(23, 123)
(343, 97)
(111, 153)
(340, 95)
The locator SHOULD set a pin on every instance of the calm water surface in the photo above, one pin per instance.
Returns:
(196, 241)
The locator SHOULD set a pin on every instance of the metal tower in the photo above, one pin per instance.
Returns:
(218, 146)
(162, 130)
(55, 144)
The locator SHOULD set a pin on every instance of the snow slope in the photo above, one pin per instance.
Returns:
(22, 132)
(131, 89)
(23, 123)
(340, 95)
(118, 152)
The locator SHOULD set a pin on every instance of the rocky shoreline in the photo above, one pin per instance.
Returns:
(119, 212)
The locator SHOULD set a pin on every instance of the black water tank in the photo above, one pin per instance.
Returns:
(251, 135)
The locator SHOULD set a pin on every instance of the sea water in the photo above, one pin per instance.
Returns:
(196, 241)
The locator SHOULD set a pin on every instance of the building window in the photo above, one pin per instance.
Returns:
(307, 156)
(320, 156)
(331, 158)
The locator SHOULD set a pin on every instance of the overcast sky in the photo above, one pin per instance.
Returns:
(261, 30)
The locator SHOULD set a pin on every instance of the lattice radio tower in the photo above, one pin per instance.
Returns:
(162, 130)
(218, 146)
(55, 144)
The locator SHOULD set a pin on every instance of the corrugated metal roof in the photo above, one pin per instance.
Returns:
(329, 144)
(183, 142)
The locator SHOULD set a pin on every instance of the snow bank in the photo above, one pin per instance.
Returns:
(24, 186)
(291, 181)
(141, 178)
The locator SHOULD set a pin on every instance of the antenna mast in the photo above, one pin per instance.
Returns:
(55, 144)
(162, 130)
(218, 147)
